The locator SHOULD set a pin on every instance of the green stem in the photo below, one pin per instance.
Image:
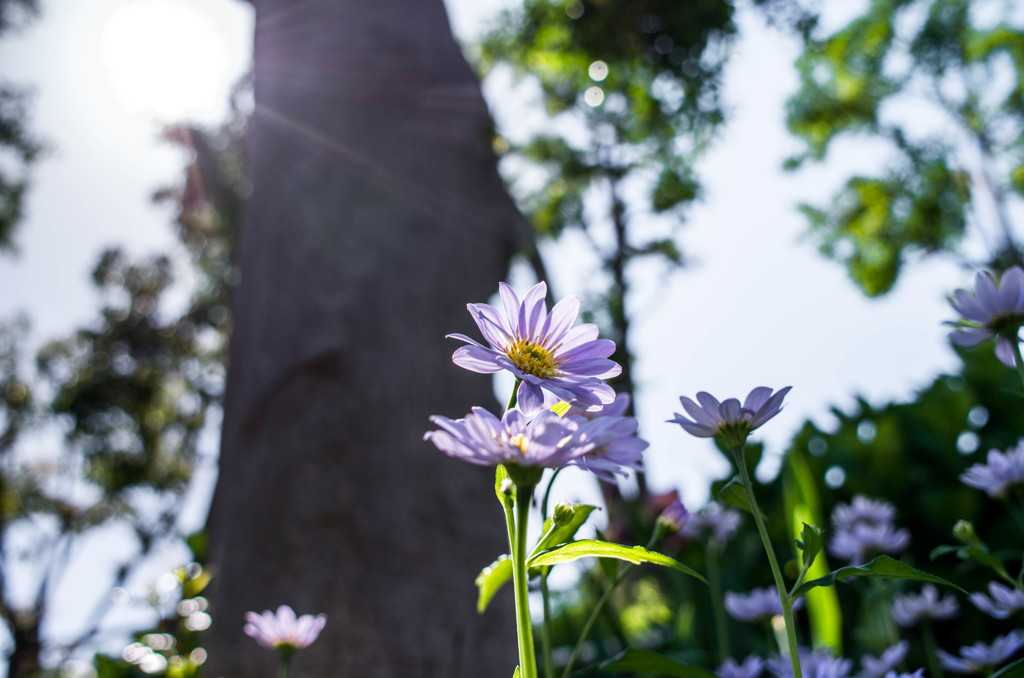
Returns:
(516, 515)
(717, 607)
(545, 638)
(513, 399)
(928, 636)
(593, 618)
(787, 603)
(282, 669)
(1017, 360)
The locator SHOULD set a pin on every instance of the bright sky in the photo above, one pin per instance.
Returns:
(758, 307)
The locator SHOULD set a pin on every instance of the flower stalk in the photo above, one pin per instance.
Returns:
(787, 603)
(517, 511)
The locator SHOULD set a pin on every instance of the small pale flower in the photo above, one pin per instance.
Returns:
(713, 522)
(863, 528)
(673, 518)
(541, 349)
(817, 664)
(729, 420)
(992, 311)
(880, 667)
(751, 667)
(616, 446)
(481, 438)
(910, 609)
(283, 631)
(912, 674)
(1003, 602)
(979, 658)
(757, 605)
(1002, 471)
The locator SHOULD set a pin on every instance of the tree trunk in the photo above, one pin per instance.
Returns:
(376, 215)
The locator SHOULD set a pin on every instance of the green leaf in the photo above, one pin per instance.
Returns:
(492, 578)
(516, 674)
(645, 661)
(603, 549)
(883, 567)
(1014, 670)
(500, 476)
(734, 495)
(560, 533)
(810, 543)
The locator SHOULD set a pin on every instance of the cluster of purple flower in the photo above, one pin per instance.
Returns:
(864, 528)
(553, 362)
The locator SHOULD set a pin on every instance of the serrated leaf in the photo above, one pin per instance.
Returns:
(491, 579)
(733, 494)
(884, 567)
(603, 549)
(646, 661)
(560, 534)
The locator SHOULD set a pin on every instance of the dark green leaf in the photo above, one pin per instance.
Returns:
(810, 543)
(734, 495)
(645, 661)
(1014, 670)
(884, 567)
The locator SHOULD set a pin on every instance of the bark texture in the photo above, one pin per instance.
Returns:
(376, 214)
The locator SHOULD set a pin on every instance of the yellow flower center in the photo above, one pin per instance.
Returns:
(519, 441)
(533, 359)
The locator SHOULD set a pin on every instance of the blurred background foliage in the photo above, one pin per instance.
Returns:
(632, 98)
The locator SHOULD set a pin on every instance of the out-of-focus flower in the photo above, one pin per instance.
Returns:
(481, 438)
(729, 420)
(757, 605)
(980, 657)
(672, 519)
(751, 667)
(864, 527)
(817, 664)
(714, 522)
(1002, 471)
(872, 667)
(1004, 600)
(616, 445)
(913, 674)
(541, 349)
(992, 311)
(910, 609)
(283, 631)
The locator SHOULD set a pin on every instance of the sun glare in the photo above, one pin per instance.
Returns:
(167, 59)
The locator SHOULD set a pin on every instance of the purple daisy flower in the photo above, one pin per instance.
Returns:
(714, 522)
(543, 350)
(871, 667)
(980, 657)
(757, 605)
(1002, 471)
(616, 446)
(910, 609)
(1004, 600)
(481, 438)
(674, 517)
(751, 667)
(864, 527)
(992, 311)
(817, 664)
(283, 631)
(729, 418)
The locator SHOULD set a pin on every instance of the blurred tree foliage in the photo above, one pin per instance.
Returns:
(18, 146)
(132, 393)
(937, 87)
(632, 96)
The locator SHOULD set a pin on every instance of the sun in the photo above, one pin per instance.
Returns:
(168, 59)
